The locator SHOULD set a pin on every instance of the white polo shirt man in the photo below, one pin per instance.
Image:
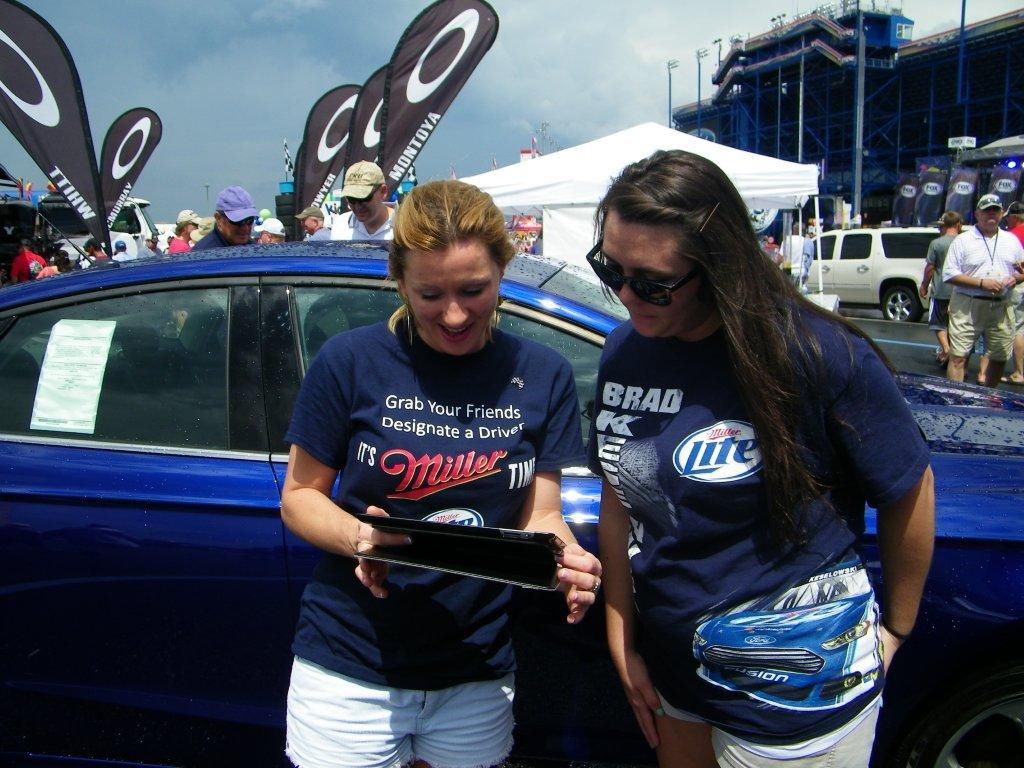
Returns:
(983, 265)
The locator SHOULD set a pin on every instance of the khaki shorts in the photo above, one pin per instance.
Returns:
(971, 316)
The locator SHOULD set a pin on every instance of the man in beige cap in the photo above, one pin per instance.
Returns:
(312, 221)
(188, 222)
(368, 217)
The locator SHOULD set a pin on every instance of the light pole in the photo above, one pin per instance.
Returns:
(718, 41)
(701, 53)
(670, 65)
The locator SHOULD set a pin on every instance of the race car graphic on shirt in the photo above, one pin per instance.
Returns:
(722, 453)
(811, 647)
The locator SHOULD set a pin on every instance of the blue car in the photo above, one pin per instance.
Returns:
(149, 591)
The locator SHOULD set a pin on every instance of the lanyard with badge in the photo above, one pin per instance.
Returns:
(995, 246)
(991, 254)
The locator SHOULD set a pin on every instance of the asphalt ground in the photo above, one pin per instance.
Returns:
(911, 346)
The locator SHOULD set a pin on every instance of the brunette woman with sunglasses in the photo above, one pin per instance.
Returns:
(740, 430)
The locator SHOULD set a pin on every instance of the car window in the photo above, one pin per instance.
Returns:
(582, 355)
(126, 221)
(828, 244)
(855, 247)
(147, 368)
(325, 310)
(907, 245)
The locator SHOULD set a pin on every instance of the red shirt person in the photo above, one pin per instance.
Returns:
(1015, 220)
(27, 264)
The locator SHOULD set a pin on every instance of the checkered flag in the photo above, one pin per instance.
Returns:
(289, 166)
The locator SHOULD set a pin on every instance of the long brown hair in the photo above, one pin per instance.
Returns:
(760, 309)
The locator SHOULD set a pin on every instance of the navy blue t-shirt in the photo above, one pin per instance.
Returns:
(775, 644)
(428, 436)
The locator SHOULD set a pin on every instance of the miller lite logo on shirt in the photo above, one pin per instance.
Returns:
(724, 452)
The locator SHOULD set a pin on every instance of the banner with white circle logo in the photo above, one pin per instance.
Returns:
(127, 147)
(963, 185)
(432, 61)
(41, 103)
(364, 130)
(904, 200)
(1004, 182)
(931, 197)
(324, 144)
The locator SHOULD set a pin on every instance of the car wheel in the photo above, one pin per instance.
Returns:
(899, 302)
(979, 726)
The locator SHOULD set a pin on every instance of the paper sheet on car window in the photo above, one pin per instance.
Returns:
(72, 374)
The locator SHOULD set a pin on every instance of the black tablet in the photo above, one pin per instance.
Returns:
(524, 558)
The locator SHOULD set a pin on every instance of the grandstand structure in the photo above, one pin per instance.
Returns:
(791, 93)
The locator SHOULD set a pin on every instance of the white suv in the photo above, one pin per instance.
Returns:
(874, 268)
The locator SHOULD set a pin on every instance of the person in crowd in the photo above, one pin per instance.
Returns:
(1015, 220)
(739, 431)
(27, 264)
(404, 664)
(983, 265)
(312, 221)
(793, 253)
(369, 217)
(59, 263)
(188, 222)
(121, 252)
(1015, 226)
(150, 248)
(94, 254)
(233, 220)
(938, 314)
(272, 232)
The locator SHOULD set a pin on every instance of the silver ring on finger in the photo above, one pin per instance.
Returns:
(597, 585)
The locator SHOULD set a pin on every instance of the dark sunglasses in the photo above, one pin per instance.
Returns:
(243, 223)
(651, 291)
(352, 200)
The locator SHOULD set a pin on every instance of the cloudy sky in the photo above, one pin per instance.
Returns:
(231, 78)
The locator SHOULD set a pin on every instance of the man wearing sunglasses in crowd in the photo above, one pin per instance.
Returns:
(368, 218)
(233, 220)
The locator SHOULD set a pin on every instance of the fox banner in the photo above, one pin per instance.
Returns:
(904, 200)
(41, 103)
(364, 132)
(930, 198)
(322, 152)
(432, 61)
(1004, 182)
(126, 150)
(963, 185)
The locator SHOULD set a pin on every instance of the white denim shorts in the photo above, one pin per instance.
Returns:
(336, 721)
(849, 746)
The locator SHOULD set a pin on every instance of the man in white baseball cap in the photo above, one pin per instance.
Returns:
(271, 232)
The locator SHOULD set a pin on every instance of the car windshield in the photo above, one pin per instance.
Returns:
(575, 282)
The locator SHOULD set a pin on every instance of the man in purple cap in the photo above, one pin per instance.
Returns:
(233, 220)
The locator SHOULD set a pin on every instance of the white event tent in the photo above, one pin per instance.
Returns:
(567, 185)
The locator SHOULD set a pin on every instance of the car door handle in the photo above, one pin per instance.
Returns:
(862, 269)
(826, 268)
